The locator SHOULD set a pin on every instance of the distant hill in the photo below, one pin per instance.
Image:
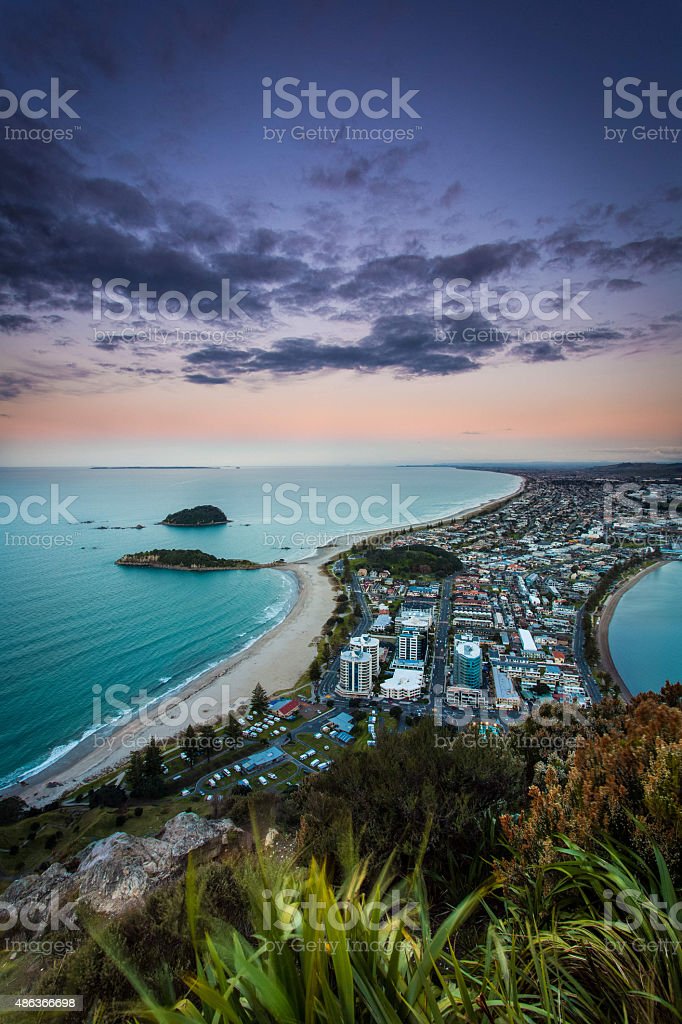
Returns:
(200, 515)
(412, 560)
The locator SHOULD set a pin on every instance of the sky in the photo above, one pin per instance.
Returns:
(163, 157)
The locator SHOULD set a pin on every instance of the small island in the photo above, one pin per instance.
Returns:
(200, 515)
(188, 560)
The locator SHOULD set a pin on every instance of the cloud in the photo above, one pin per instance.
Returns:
(623, 284)
(451, 194)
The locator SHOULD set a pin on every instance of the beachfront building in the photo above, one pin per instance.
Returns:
(355, 674)
(404, 684)
(369, 645)
(467, 665)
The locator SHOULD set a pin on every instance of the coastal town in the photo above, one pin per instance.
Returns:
(508, 630)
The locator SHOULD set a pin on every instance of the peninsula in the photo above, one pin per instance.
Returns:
(188, 560)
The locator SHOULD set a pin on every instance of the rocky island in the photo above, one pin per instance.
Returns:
(200, 515)
(189, 560)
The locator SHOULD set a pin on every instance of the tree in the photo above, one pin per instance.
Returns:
(233, 729)
(396, 712)
(134, 776)
(153, 763)
(259, 700)
(107, 796)
(190, 746)
(208, 740)
(314, 671)
(12, 808)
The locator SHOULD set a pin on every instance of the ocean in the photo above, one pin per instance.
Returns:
(76, 626)
(645, 634)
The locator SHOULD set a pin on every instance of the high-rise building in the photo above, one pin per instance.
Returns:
(355, 674)
(411, 645)
(467, 666)
(370, 645)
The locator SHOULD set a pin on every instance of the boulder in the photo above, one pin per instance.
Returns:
(117, 873)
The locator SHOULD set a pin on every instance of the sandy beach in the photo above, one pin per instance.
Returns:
(602, 631)
(276, 660)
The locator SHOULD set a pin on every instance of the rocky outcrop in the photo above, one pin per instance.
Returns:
(117, 873)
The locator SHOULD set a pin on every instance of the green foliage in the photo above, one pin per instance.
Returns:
(200, 515)
(412, 785)
(180, 558)
(412, 560)
(259, 700)
(12, 809)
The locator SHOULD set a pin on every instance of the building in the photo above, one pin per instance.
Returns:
(404, 684)
(411, 645)
(415, 617)
(370, 645)
(355, 675)
(529, 646)
(506, 697)
(466, 697)
(467, 667)
(289, 709)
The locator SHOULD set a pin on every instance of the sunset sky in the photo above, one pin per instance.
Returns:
(505, 179)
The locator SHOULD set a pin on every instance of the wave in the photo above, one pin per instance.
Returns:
(278, 612)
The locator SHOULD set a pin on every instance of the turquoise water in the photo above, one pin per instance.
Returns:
(75, 624)
(645, 634)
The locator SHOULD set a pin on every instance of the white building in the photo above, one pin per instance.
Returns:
(411, 645)
(506, 696)
(355, 675)
(529, 646)
(370, 645)
(411, 617)
(467, 666)
(404, 684)
(466, 697)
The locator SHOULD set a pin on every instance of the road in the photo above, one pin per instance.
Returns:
(581, 660)
(330, 678)
(440, 650)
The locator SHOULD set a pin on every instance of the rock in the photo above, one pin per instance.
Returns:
(117, 873)
(270, 838)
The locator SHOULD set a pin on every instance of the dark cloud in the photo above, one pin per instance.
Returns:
(623, 284)
(10, 322)
(451, 194)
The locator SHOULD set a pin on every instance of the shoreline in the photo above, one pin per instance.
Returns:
(291, 643)
(605, 617)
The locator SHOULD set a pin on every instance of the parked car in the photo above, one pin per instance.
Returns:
(263, 781)
(271, 775)
(227, 772)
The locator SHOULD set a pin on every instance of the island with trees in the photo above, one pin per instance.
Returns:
(188, 560)
(200, 515)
